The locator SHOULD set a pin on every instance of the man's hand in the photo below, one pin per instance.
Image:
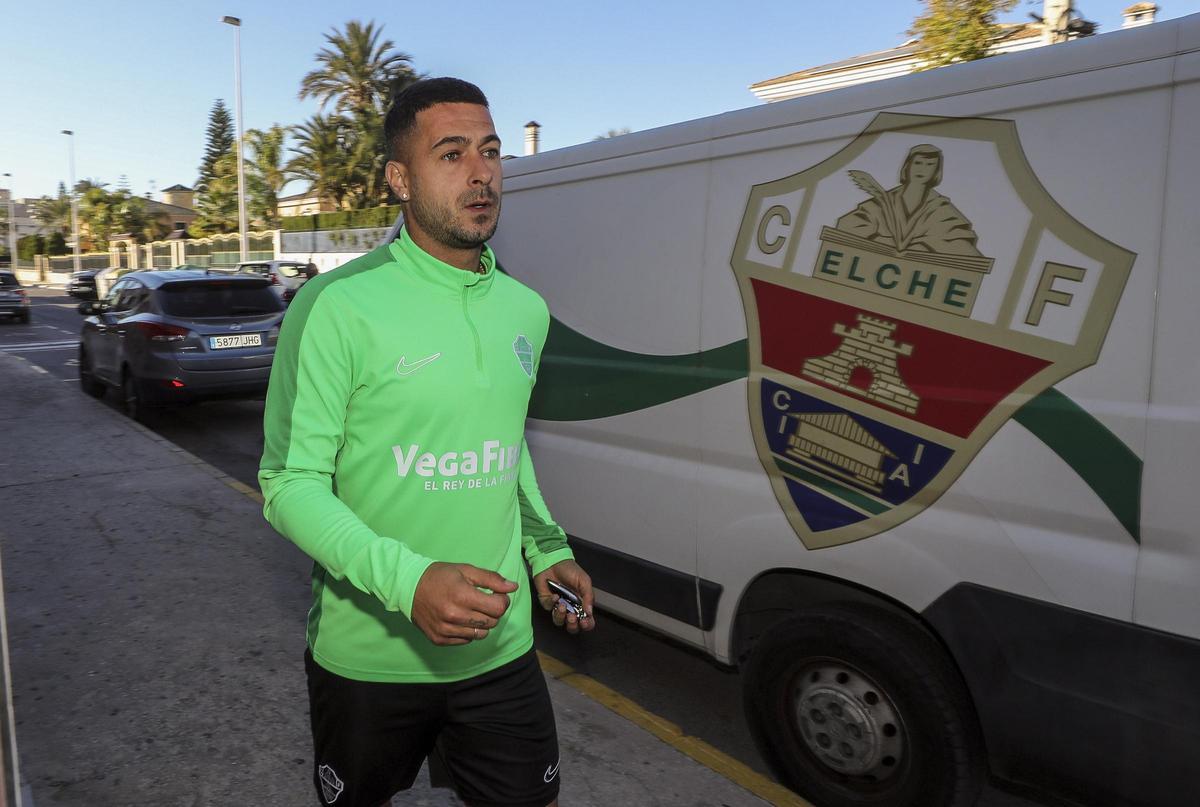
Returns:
(450, 609)
(569, 574)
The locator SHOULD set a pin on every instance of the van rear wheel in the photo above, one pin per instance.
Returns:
(852, 706)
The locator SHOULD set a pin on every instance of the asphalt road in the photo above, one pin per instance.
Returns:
(679, 684)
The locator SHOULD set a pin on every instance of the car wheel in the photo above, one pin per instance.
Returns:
(133, 397)
(87, 378)
(23, 317)
(850, 705)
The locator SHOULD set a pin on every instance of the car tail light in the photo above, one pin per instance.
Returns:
(274, 279)
(158, 332)
(20, 292)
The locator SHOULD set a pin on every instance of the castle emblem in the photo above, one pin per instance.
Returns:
(865, 363)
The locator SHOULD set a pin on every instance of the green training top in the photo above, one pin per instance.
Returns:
(394, 429)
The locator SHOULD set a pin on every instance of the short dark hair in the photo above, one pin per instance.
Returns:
(402, 117)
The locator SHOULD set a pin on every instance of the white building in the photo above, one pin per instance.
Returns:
(1059, 23)
(22, 212)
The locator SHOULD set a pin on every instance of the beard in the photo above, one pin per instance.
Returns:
(441, 221)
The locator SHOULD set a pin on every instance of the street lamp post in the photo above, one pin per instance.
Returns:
(12, 227)
(74, 196)
(237, 80)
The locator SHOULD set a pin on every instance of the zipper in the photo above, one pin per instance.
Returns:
(474, 332)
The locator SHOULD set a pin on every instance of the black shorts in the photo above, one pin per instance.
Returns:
(492, 735)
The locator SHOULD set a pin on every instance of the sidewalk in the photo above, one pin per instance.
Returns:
(156, 626)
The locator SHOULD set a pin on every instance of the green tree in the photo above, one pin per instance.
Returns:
(56, 244)
(218, 206)
(219, 142)
(266, 174)
(104, 214)
(30, 245)
(322, 156)
(365, 182)
(54, 211)
(954, 31)
(357, 71)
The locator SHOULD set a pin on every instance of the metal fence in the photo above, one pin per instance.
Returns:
(160, 255)
(226, 250)
(90, 260)
(362, 239)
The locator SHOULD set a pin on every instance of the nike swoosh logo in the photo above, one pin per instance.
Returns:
(551, 772)
(407, 369)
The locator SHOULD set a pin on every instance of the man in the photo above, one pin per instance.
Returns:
(395, 458)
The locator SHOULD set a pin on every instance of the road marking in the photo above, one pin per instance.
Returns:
(41, 370)
(737, 772)
(715, 760)
(33, 347)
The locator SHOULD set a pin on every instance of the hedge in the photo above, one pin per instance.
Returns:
(342, 219)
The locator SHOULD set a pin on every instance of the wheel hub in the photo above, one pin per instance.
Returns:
(848, 722)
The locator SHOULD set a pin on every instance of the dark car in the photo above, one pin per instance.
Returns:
(14, 301)
(83, 284)
(178, 336)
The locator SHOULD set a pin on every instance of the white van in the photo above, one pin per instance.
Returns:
(888, 396)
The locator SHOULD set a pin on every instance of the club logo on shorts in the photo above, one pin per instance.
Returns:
(331, 785)
(895, 327)
(551, 772)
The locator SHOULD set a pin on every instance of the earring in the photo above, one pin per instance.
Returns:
(404, 197)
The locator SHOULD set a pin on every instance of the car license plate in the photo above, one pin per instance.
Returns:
(236, 340)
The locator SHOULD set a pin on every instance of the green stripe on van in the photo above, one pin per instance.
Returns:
(1105, 463)
(582, 379)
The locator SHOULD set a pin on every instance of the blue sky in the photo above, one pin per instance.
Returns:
(136, 80)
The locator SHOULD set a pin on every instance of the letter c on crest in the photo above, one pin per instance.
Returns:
(782, 400)
(785, 217)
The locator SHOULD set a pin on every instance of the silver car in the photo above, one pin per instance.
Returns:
(286, 276)
(14, 301)
(177, 336)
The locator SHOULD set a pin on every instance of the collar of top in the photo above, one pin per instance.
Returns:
(420, 265)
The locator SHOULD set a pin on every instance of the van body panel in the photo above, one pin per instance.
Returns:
(1070, 180)
(1168, 594)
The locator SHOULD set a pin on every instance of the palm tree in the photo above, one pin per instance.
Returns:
(265, 173)
(368, 155)
(55, 211)
(357, 71)
(322, 156)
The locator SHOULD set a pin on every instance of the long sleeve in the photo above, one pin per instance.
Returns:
(312, 381)
(543, 541)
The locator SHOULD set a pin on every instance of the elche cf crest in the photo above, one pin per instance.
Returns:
(903, 298)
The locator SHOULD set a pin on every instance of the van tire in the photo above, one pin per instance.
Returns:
(851, 705)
